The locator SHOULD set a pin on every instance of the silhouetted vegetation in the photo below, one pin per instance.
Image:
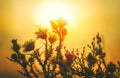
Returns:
(53, 60)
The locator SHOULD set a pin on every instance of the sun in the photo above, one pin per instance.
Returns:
(50, 11)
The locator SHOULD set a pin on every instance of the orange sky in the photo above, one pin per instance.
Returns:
(18, 19)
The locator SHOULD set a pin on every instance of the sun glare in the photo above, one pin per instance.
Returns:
(50, 11)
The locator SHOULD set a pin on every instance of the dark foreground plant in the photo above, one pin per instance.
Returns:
(53, 60)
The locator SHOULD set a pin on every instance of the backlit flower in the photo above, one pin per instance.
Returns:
(54, 24)
(16, 46)
(52, 38)
(29, 45)
(41, 33)
(70, 56)
(61, 22)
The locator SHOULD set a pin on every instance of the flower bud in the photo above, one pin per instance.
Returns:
(70, 56)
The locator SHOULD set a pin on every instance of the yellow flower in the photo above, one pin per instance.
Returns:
(52, 38)
(41, 33)
(61, 22)
(54, 24)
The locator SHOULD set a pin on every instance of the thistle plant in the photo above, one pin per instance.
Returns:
(52, 60)
(91, 62)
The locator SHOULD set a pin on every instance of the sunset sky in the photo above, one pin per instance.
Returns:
(20, 19)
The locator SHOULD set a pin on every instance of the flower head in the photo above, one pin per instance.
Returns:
(54, 24)
(61, 22)
(14, 41)
(16, 46)
(70, 56)
(29, 45)
(52, 38)
(41, 33)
